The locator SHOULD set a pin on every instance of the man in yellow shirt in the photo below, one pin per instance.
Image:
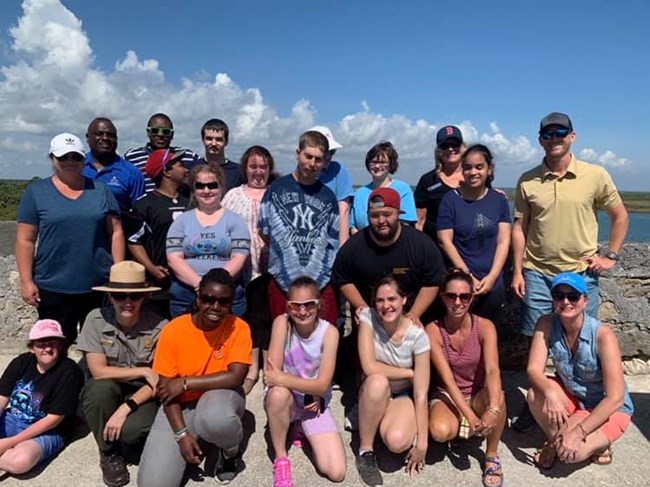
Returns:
(556, 223)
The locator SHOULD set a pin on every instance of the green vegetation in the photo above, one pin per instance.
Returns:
(635, 201)
(10, 192)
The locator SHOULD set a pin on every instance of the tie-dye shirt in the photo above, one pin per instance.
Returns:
(302, 357)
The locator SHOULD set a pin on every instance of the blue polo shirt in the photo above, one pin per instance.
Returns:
(125, 181)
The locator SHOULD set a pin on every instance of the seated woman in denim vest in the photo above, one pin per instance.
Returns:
(586, 406)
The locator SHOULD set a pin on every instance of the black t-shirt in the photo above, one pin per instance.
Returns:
(149, 222)
(414, 260)
(232, 172)
(428, 195)
(33, 395)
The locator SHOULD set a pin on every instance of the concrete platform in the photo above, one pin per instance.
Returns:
(78, 465)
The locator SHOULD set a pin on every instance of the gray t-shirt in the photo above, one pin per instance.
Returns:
(415, 342)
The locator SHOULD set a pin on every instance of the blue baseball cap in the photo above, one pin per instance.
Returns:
(576, 281)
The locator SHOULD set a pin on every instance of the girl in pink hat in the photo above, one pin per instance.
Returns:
(38, 390)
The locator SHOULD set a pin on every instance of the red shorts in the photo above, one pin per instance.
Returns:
(329, 310)
(613, 428)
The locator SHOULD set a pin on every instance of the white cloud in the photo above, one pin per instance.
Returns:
(607, 159)
(53, 86)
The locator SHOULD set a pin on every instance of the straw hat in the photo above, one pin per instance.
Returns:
(127, 277)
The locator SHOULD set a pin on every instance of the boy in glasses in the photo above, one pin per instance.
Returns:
(214, 135)
(556, 226)
(160, 131)
(299, 217)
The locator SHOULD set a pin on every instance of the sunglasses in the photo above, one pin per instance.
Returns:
(309, 305)
(449, 145)
(464, 297)
(160, 131)
(560, 296)
(559, 133)
(52, 342)
(210, 185)
(210, 300)
(125, 296)
(71, 157)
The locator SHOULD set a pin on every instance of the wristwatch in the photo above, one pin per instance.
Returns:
(612, 256)
(133, 406)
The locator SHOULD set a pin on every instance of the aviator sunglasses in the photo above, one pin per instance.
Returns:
(464, 297)
(160, 131)
(210, 300)
(309, 305)
(210, 185)
(559, 133)
(125, 296)
(573, 297)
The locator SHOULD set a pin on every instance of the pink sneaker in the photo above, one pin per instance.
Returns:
(282, 473)
(298, 436)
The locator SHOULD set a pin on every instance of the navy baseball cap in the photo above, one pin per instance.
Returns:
(448, 132)
(556, 118)
(576, 281)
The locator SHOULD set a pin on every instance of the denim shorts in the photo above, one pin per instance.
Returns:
(50, 442)
(537, 300)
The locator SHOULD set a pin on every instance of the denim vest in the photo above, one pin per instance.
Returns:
(582, 374)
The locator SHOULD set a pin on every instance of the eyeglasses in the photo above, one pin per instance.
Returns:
(560, 296)
(559, 133)
(210, 185)
(309, 305)
(73, 156)
(160, 131)
(52, 342)
(210, 300)
(464, 297)
(449, 145)
(125, 296)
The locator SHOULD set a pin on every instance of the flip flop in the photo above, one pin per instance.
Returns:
(544, 456)
(492, 471)
(602, 458)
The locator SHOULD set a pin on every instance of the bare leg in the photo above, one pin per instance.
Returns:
(253, 371)
(21, 458)
(373, 400)
(329, 455)
(444, 420)
(279, 405)
(493, 439)
(398, 428)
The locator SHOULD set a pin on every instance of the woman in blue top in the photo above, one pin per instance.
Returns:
(381, 163)
(76, 223)
(204, 238)
(586, 406)
(474, 231)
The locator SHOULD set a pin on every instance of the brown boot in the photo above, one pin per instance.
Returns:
(114, 469)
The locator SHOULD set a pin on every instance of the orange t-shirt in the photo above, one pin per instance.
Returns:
(184, 350)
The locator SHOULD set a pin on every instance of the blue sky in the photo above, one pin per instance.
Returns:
(370, 70)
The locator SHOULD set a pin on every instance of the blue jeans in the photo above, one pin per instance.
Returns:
(50, 442)
(537, 300)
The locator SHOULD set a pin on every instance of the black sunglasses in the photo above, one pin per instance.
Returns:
(160, 131)
(125, 296)
(449, 145)
(573, 297)
(210, 185)
(209, 299)
(548, 134)
(464, 297)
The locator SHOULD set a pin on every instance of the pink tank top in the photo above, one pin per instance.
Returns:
(467, 366)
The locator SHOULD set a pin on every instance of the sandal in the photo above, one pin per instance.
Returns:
(545, 456)
(602, 458)
(494, 470)
(249, 384)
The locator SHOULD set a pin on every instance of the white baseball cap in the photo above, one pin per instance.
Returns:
(65, 143)
(328, 135)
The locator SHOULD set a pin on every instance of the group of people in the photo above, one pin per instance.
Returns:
(234, 270)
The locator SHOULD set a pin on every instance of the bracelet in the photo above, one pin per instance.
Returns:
(494, 410)
(180, 433)
(178, 438)
(584, 433)
(185, 384)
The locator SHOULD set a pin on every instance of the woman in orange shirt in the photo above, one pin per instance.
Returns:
(202, 360)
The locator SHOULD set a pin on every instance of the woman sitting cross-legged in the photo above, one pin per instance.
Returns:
(38, 389)
(118, 342)
(298, 375)
(393, 397)
(586, 406)
(469, 400)
(202, 359)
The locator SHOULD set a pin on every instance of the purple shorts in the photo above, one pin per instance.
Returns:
(313, 424)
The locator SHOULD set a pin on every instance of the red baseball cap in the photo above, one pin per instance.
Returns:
(384, 198)
(160, 159)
